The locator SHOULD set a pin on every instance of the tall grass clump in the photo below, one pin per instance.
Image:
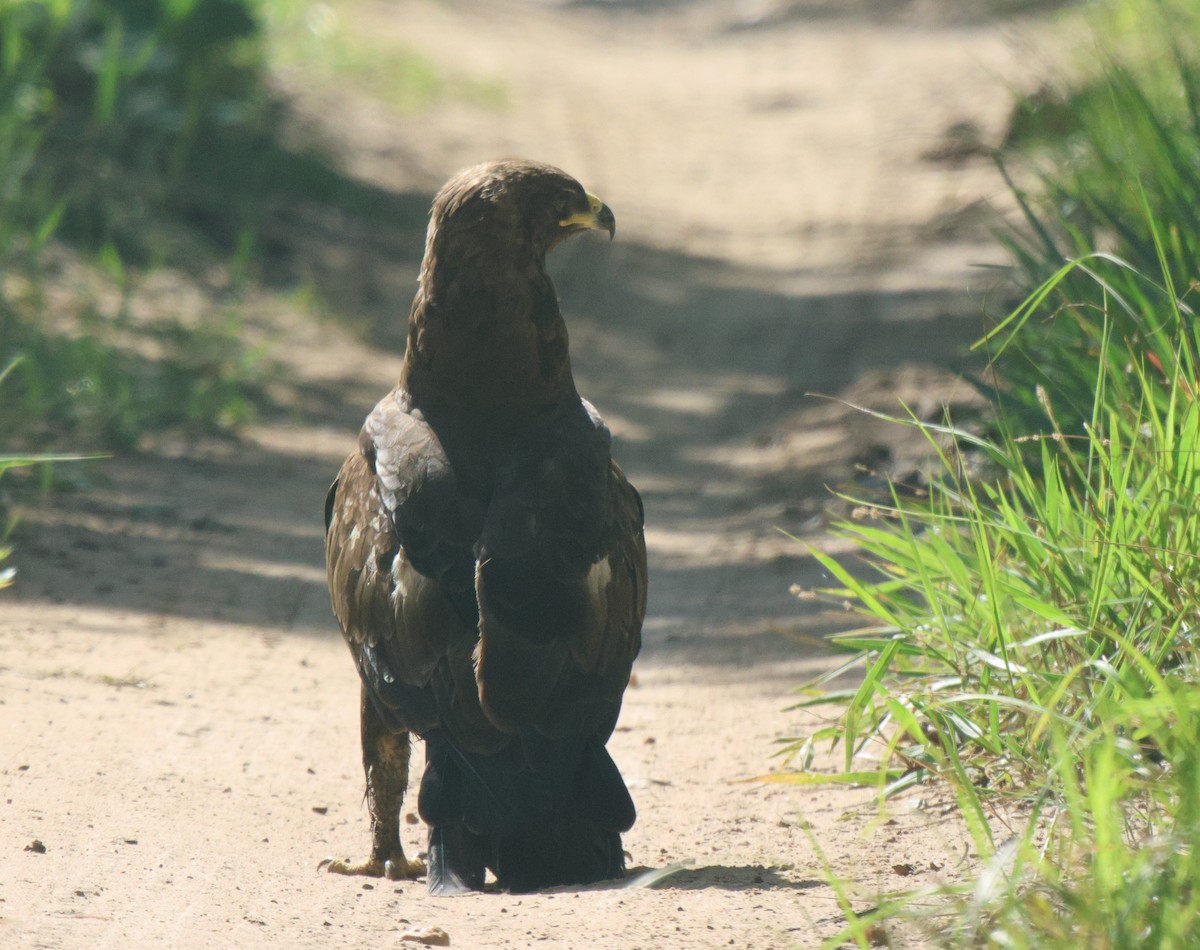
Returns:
(1119, 171)
(1030, 622)
(112, 113)
(1038, 600)
(109, 107)
(1032, 640)
(13, 462)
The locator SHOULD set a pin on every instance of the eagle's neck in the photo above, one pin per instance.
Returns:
(487, 345)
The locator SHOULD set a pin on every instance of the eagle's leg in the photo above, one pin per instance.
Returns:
(385, 761)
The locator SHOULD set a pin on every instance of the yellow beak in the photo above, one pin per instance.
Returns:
(598, 217)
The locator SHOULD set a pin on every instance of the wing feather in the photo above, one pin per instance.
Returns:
(399, 561)
(560, 583)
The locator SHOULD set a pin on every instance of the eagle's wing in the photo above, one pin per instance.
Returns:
(398, 545)
(561, 582)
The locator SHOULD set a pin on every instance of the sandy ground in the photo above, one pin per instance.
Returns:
(179, 713)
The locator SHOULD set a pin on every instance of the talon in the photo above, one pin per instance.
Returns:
(369, 868)
(394, 869)
(403, 870)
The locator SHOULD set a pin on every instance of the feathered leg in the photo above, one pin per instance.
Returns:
(385, 762)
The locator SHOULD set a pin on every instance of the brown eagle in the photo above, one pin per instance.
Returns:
(486, 560)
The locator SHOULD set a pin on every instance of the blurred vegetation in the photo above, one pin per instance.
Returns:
(20, 462)
(1119, 160)
(110, 112)
(143, 138)
(1031, 622)
(316, 37)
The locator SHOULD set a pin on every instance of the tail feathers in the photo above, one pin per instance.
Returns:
(456, 861)
(602, 791)
(541, 813)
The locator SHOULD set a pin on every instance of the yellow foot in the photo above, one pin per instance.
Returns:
(397, 868)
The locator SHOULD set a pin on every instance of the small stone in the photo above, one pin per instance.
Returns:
(430, 937)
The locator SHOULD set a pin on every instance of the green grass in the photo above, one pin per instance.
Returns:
(106, 106)
(139, 137)
(1111, 865)
(1123, 871)
(1029, 632)
(96, 387)
(1042, 597)
(10, 463)
(1031, 641)
(316, 38)
(1120, 161)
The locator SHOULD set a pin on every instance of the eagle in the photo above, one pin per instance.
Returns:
(486, 560)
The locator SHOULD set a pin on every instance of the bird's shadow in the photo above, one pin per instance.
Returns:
(725, 877)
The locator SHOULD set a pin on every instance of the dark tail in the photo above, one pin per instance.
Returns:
(543, 812)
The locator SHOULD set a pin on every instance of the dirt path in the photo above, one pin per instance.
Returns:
(179, 714)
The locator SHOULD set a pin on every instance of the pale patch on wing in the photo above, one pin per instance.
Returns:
(598, 578)
(408, 584)
(404, 578)
(593, 413)
(587, 645)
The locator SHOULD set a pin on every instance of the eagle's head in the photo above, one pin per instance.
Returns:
(520, 207)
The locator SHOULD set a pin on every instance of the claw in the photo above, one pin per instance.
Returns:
(403, 869)
(394, 869)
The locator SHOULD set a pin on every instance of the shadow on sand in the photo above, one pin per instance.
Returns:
(695, 362)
